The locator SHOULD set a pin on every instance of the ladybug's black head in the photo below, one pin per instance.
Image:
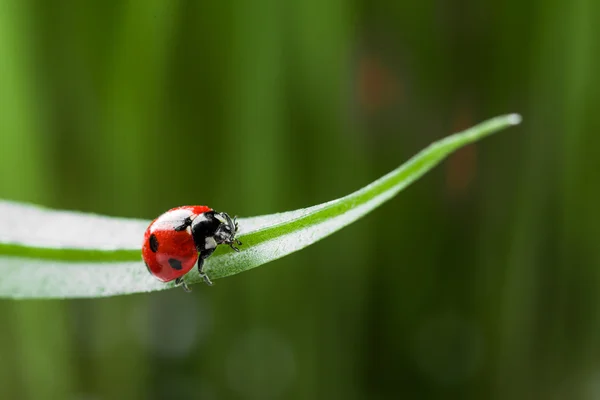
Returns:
(226, 231)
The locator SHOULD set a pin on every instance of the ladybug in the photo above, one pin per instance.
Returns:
(182, 236)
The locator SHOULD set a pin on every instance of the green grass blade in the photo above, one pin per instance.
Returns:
(59, 254)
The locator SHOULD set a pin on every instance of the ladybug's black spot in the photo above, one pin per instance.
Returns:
(153, 243)
(175, 263)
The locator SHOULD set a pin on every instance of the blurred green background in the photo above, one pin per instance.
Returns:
(480, 281)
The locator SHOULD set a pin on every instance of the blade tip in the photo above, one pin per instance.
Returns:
(514, 119)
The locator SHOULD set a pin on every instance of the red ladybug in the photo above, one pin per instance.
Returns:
(174, 239)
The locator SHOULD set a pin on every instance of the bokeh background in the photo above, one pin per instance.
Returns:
(480, 281)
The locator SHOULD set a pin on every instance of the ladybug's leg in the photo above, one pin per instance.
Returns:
(204, 254)
(180, 281)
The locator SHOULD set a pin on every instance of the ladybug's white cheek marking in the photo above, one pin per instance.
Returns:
(210, 243)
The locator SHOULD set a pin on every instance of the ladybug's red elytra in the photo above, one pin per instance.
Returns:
(175, 240)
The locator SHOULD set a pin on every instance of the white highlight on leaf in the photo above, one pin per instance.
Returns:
(35, 226)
